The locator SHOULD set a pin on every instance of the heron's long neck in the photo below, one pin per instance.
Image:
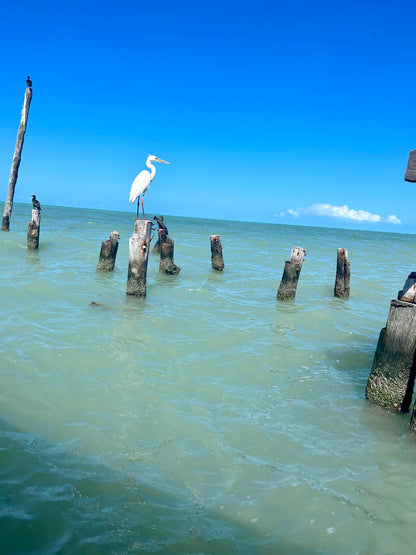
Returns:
(152, 169)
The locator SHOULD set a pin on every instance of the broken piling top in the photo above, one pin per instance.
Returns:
(410, 174)
(408, 293)
(297, 255)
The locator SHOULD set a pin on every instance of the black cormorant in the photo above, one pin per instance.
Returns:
(36, 203)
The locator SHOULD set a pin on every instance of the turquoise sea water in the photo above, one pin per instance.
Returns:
(207, 417)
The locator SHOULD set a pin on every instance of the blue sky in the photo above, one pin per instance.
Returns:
(288, 112)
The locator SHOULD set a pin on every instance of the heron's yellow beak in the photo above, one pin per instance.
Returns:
(159, 160)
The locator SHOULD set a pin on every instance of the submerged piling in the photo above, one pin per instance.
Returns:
(17, 157)
(108, 253)
(291, 273)
(217, 260)
(33, 230)
(342, 278)
(139, 244)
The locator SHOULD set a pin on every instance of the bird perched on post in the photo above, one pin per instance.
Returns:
(142, 182)
(36, 203)
(28, 82)
(161, 225)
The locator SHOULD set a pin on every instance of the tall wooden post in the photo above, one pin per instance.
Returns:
(33, 230)
(139, 244)
(217, 261)
(108, 253)
(291, 272)
(166, 265)
(17, 157)
(342, 279)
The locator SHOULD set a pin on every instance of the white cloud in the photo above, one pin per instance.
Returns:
(294, 213)
(392, 219)
(343, 213)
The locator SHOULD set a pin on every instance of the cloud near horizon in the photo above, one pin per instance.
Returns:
(342, 213)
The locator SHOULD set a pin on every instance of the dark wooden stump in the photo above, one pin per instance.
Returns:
(391, 379)
(410, 174)
(342, 279)
(108, 253)
(291, 272)
(33, 231)
(139, 244)
(161, 238)
(166, 265)
(217, 261)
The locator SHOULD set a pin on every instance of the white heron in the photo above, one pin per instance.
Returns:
(142, 181)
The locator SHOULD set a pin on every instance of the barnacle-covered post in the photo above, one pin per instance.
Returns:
(217, 260)
(33, 230)
(167, 265)
(139, 244)
(391, 380)
(108, 253)
(342, 278)
(291, 272)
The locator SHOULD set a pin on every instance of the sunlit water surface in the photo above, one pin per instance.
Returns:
(207, 417)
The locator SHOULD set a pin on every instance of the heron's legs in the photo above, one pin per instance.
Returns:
(144, 217)
(137, 212)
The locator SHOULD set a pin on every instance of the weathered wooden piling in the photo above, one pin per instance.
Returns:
(391, 380)
(166, 265)
(342, 278)
(33, 230)
(291, 272)
(217, 260)
(139, 244)
(108, 253)
(5, 226)
(410, 174)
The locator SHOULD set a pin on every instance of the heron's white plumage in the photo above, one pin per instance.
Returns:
(140, 185)
(144, 178)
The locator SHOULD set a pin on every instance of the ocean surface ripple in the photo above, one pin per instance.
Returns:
(206, 417)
